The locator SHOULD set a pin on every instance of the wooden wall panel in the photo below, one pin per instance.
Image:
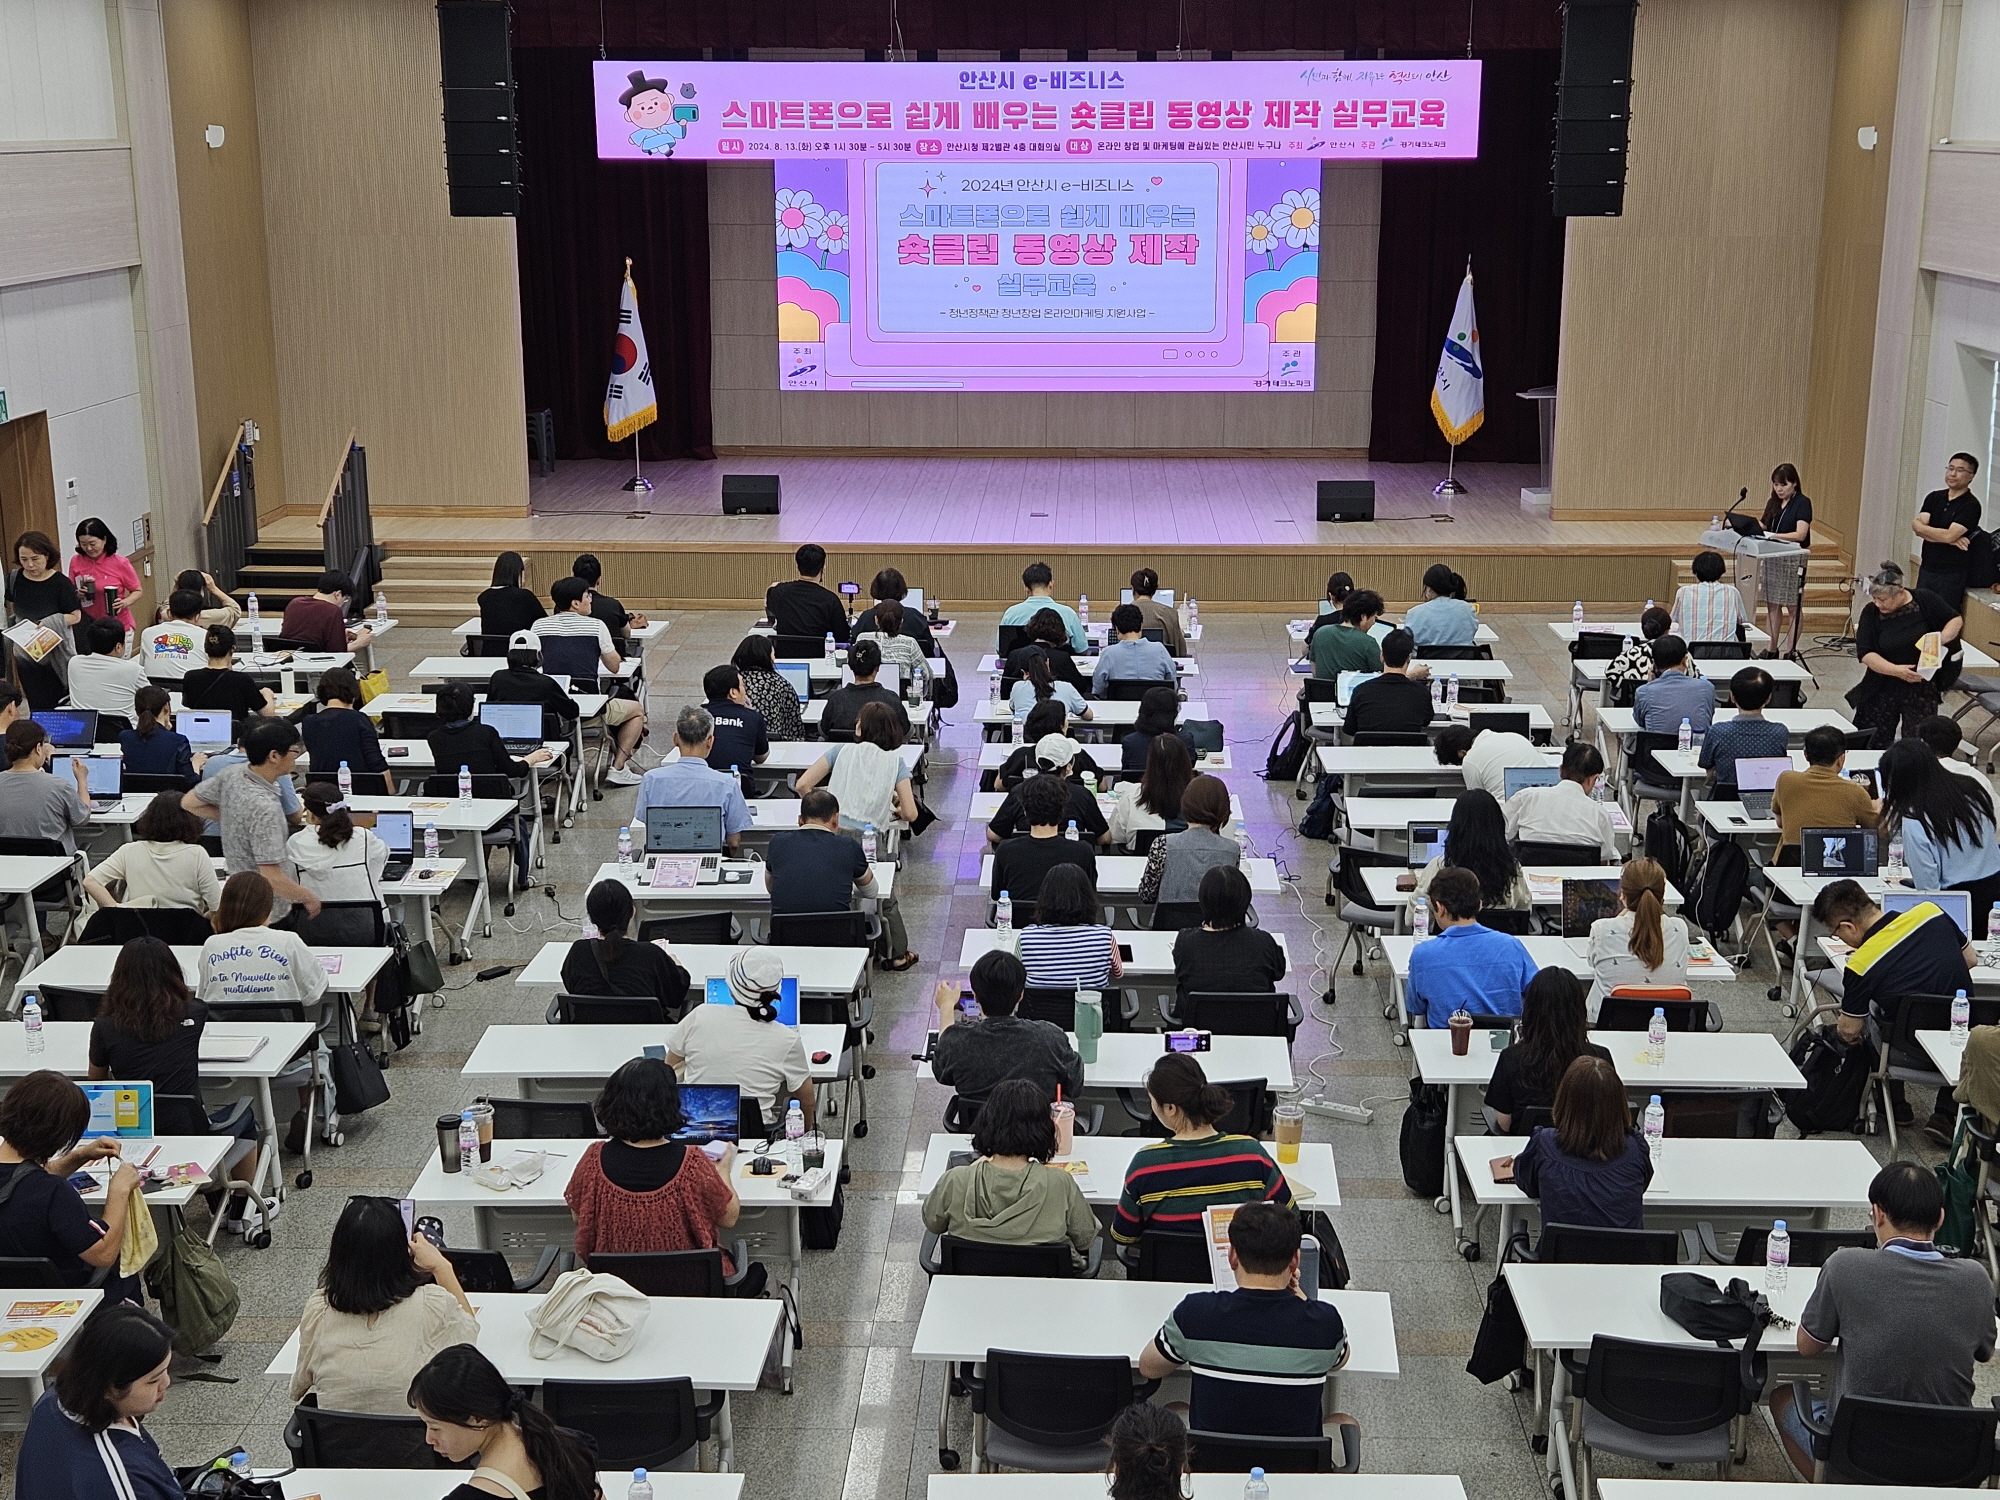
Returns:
(390, 317)
(68, 212)
(1962, 213)
(1687, 323)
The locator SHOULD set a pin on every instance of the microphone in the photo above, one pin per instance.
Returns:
(1741, 495)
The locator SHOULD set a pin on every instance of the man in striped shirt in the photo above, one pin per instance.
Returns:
(1708, 609)
(1260, 1354)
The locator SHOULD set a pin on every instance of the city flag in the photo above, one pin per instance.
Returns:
(1458, 397)
(629, 403)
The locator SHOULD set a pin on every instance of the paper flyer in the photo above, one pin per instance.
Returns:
(36, 641)
(44, 1309)
(1930, 655)
(677, 872)
(1215, 1229)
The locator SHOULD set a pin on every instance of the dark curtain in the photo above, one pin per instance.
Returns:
(580, 218)
(1496, 210)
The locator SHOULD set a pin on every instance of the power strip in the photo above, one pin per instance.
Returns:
(1359, 1114)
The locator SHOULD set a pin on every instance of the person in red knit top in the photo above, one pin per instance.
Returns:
(641, 1191)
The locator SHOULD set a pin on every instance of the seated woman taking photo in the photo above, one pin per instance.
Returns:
(1009, 1195)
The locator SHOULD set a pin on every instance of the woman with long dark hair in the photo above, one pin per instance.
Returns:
(1169, 769)
(86, 1439)
(509, 604)
(1787, 517)
(1553, 1034)
(1170, 1182)
(470, 1412)
(1591, 1167)
(1947, 824)
(1038, 682)
(612, 964)
(1888, 640)
(1149, 1454)
(769, 694)
(152, 747)
(1476, 840)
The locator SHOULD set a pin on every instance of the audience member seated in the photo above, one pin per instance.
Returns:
(509, 605)
(33, 803)
(743, 1043)
(1130, 657)
(319, 619)
(1044, 719)
(616, 617)
(163, 864)
(1020, 865)
(248, 959)
(1947, 823)
(641, 1191)
(1748, 736)
(844, 704)
(1396, 702)
(42, 1119)
(1170, 1182)
(1158, 711)
(1067, 946)
(1008, 1194)
(86, 1435)
(522, 680)
(1632, 667)
(1910, 1320)
(773, 697)
(1676, 692)
(1149, 1455)
(472, 1417)
(1261, 1353)
(1055, 760)
(885, 634)
(889, 585)
(1036, 578)
(1443, 617)
(217, 608)
(816, 868)
(1476, 840)
(804, 606)
(1567, 812)
(1038, 683)
(1346, 646)
(1590, 1168)
(1225, 955)
(1484, 756)
(1916, 952)
(974, 1057)
(1820, 796)
(1464, 966)
(1553, 1034)
(168, 649)
(152, 747)
(611, 964)
(106, 679)
(1158, 616)
(220, 688)
(1045, 632)
(461, 742)
(387, 1303)
(1642, 945)
(1709, 609)
(740, 738)
(625, 717)
(338, 733)
(1943, 737)
(336, 861)
(1338, 587)
(1177, 862)
(1157, 794)
(688, 780)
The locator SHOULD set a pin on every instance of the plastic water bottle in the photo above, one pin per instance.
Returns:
(346, 780)
(590, 934)
(1715, 523)
(465, 783)
(795, 1134)
(830, 646)
(256, 627)
(1451, 691)
(641, 1488)
(1992, 952)
(1083, 609)
(1896, 856)
(868, 842)
(1437, 695)
(1256, 1489)
(468, 1142)
(1194, 614)
(1656, 1037)
(994, 695)
(251, 611)
(1576, 613)
(1649, 604)
(625, 845)
(1003, 918)
(1020, 726)
(1777, 1258)
(239, 1464)
(31, 1023)
(1656, 1129)
(381, 608)
(1420, 918)
(1687, 736)
(1961, 1018)
(430, 839)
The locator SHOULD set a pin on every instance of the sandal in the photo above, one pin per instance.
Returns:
(901, 965)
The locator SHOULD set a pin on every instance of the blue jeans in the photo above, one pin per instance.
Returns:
(1793, 1426)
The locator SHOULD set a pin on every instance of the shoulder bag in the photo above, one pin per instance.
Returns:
(599, 1316)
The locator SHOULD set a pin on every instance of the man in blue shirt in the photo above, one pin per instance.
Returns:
(1673, 694)
(1748, 736)
(1464, 966)
(740, 738)
(689, 782)
(1037, 577)
(1131, 658)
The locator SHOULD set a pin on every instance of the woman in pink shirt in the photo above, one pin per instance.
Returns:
(96, 566)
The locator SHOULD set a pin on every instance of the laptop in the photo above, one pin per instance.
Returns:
(1499, 720)
(1586, 901)
(799, 675)
(519, 725)
(1426, 843)
(675, 831)
(121, 1109)
(105, 775)
(1756, 778)
(1851, 853)
(914, 600)
(708, 1113)
(1165, 597)
(1954, 904)
(1345, 684)
(68, 728)
(397, 830)
(1517, 777)
(206, 732)
(715, 991)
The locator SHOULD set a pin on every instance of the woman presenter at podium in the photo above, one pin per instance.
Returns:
(1787, 518)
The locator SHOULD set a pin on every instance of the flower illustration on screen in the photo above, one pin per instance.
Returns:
(1297, 216)
(800, 219)
(833, 236)
(1263, 233)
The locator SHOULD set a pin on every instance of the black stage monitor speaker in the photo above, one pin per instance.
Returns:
(1593, 108)
(750, 494)
(1347, 499)
(481, 162)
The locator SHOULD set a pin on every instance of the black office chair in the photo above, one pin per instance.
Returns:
(39, 1273)
(543, 1119)
(821, 929)
(1008, 639)
(1240, 1014)
(1249, 1110)
(1174, 916)
(1128, 689)
(139, 783)
(1810, 1247)
(1635, 1013)
(1588, 1245)
(799, 647)
(635, 1424)
(1649, 780)
(1057, 1007)
(675, 1273)
(1530, 853)
(59, 1004)
(1050, 1414)
(288, 643)
(321, 1438)
(488, 1271)
(344, 924)
(1172, 1257)
(1455, 653)
(176, 926)
(110, 727)
(1719, 650)
(961, 1113)
(950, 1255)
(1389, 737)
(1237, 1453)
(1506, 919)
(701, 928)
(606, 1010)
(1902, 1443)
(1660, 1403)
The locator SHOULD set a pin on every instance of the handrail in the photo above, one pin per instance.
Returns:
(228, 463)
(339, 470)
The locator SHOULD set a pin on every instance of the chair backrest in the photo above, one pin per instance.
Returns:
(1058, 1007)
(543, 1119)
(344, 924)
(1238, 1014)
(820, 929)
(485, 645)
(1909, 1444)
(1455, 653)
(1644, 767)
(178, 925)
(665, 1273)
(1127, 689)
(608, 1010)
(798, 647)
(1319, 690)
(288, 643)
(1172, 1257)
(636, 1424)
(33, 1271)
(750, 1124)
(1056, 1400)
(1719, 651)
(1249, 1109)
(480, 1270)
(572, 656)
(145, 784)
(1530, 853)
(1390, 737)
(1810, 1247)
(961, 1113)
(1909, 1014)
(1175, 916)
(1668, 1390)
(962, 1257)
(1506, 919)
(1239, 1453)
(1009, 637)
(110, 727)
(1595, 645)
(1629, 1013)
(179, 1114)
(1588, 1245)
(324, 1439)
(32, 846)
(59, 1004)
(703, 927)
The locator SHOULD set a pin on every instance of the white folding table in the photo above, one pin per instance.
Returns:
(1125, 1058)
(22, 1370)
(1315, 1182)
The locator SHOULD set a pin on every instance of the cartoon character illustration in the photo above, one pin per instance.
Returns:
(662, 124)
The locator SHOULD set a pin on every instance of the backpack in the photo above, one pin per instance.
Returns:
(1836, 1077)
(1318, 821)
(944, 686)
(1725, 880)
(197, 1299)
(1422, 1143)
(1982, 565)
(1668, 844)
(1288, 752)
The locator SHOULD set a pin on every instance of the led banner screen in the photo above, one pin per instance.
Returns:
(1043, 227)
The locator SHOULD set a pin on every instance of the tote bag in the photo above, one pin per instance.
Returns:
(597, 1315)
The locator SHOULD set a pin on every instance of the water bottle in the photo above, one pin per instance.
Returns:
(468, 1142)
(239, 1465)
(641, 1488)
(346, 780)
(1451, 691)
(251, 612)
(1003, 918)
(31, 1022)
(430, 840)
(1656, 1129)
(1991, 956)
(1896, 857)
(1083, 609)
(868, 842)
(625, 845)
(1437, 695)
(1656, 1037)
(1420, 918)
(1961, 1018)
(1649, 604)
(1070, 833)
(590, 934)
(1576, 613)
(381, 608)
(1687, 736)
(1194, 614)
(994, 696)
(1715, 523)
(1777, 1258)
(1256, 1489)
(795, 1130)
(256, 627)
(830, 647)
(1020, 725)
(465, 783)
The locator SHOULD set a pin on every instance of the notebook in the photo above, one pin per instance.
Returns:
(204, 731)
(222, 1047)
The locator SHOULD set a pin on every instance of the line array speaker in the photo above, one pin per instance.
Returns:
(1593, 108)
(481, 160)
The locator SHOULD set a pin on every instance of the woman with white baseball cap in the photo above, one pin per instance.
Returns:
(743, 1043)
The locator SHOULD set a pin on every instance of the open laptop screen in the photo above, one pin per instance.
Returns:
(513, 721)
(1345, 684)
(106, 773)
(1516, 777)
(683, 830)
(708, 1112)
(799, 675)
(396, 829)
(68, 728)
(198, 727)
(1586, 901)
(715, 991)
(1761, 773)
(1851, 852)
(1955, 904)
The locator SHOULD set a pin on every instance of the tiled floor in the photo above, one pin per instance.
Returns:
(861, 1424)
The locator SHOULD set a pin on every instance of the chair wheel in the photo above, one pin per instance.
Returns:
(947, 1458)
(1539, 1442)
(1401, 1039)
(1773, 993)
(555, 837)
(1470, 1250)
(261, 1240)
(304, 1179)
(860, 1129)
(867, 1071)
(1441, 1204)
(337, 1139)
(509, 910)
(1357, 968)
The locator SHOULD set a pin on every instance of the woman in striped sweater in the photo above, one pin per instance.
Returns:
(1067, 946)
(1170, 1183)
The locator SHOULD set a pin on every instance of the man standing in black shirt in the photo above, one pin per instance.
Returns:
(1398, 701)
(805, 606)
(740, 740)
(844, 704)
(1946, 522)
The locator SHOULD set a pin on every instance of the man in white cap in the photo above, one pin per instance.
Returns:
(689, 781)
(1055, 755)
(522, 680)
(743, 1043)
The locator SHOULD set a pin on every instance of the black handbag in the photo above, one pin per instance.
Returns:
(1422, 1144)
(358, 1083)
(1497, 1348)
(1707, 1311)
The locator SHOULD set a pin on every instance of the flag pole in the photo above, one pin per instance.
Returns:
(638, 483)
(1450, 485)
